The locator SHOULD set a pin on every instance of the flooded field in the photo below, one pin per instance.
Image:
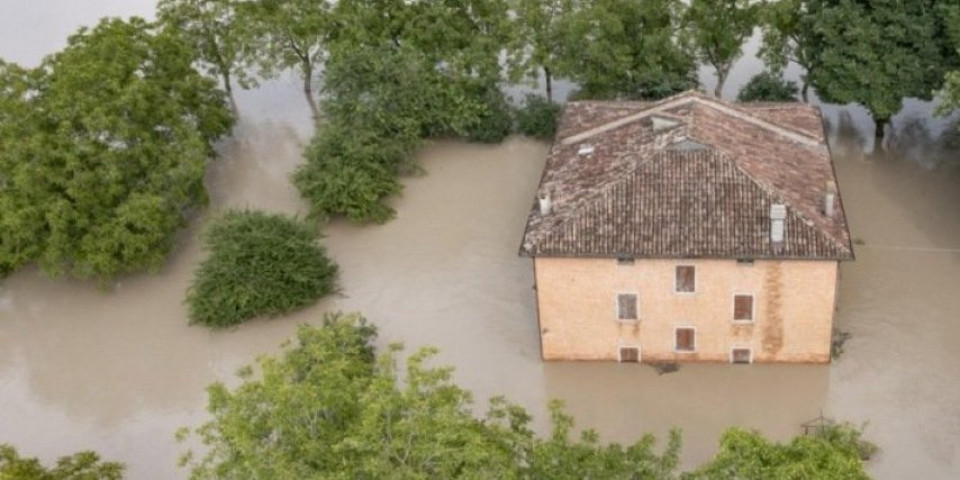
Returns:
(120, 371)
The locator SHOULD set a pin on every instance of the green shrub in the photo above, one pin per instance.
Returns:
(768, 87)
(494, 122)
(260, 264)
(352, 172)
(79, 466)
(537, 117)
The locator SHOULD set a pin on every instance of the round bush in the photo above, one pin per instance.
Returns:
(768, 87)
(537, 117)
(259, 264)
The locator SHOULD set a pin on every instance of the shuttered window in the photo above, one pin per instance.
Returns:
(743, 308)
(741, 355)
(686, 279)
(627, 306)
(686, 339)
(629, 354)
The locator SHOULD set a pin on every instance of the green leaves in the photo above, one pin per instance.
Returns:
(718, 29)
(768, 87)
(79, 466)
(107, 153)
(259, 265)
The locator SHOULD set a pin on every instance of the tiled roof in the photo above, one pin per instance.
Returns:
(700, 186)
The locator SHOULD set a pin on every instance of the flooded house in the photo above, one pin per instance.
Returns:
(687, 230)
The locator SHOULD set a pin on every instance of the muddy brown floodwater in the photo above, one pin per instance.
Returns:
(120, 371)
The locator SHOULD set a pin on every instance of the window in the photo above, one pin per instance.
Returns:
(627, 306)
(629, 354)
(746, 262)
(686, 279)
(743, 308)
(686, 339)
(741, 355)
(625, 261)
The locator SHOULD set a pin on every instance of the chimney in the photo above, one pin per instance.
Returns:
(829, 199)
(545, 203)
(778, 213)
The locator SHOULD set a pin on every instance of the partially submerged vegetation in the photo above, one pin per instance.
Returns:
(768, 87)
(259, 264)
(79, 466)
(377, 422)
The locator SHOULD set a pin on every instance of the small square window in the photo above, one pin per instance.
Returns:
(686, 339)
(746, 262)
(629, 354)
(627, 306)
(625, 261)
(686, 281)
(743, 308)
(741, 355)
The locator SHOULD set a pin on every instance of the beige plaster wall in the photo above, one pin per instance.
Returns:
(793, 309)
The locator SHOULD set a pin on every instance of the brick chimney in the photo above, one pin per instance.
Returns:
(778, 214)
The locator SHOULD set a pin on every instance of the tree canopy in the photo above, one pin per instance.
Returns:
(330, 406)
(718, 29)
(108, 151)
(768, 87)
(79, 466)
(627, 49)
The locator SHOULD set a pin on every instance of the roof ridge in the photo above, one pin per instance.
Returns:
(700, 99)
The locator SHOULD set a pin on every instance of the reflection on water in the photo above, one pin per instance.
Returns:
(120, 371)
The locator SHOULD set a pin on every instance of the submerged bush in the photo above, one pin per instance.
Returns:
(260, 264)
(537, 117)
(79, 466)
(494, 122)
(768, 87)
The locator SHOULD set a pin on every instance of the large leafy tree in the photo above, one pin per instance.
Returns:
(788, 37)
(950, 94)
(211, 27)
(879, 52)
(627, 49)
(329, 407)
(718, 29)
(107, 154)
(538, 25)
(79, 466)
(285, 34)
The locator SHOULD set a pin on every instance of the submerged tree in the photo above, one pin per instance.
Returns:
(284, 34)
(211, 27)
(768, 87)
(627, 49)
(788, 37)
(79, 466)
(718, 29)
(538, 25)
(878, 53)
(108, 152)
(330, 407)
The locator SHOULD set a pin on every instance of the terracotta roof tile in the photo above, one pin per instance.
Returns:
(701, 189)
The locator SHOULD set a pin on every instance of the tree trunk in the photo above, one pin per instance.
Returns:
(549, 80)
(228, 87)
(721, 79)
(804, 92)
(308, 90)
(881, 124)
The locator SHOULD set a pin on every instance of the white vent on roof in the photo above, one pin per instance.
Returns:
(663, 123)
(546, 203)
(829, 199)
(585, 149)
(778, 213)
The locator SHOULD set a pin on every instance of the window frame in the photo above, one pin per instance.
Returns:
(636, 307)
(733, 356)
(626, 261)
(676, 343)
(676, 277)
(621, 348)
(753, 307)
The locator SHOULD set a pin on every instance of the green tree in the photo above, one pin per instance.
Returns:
(879, 52)
(538, 26)
(748, 456)
(283, 34)
(768, 87)
(108, 153)
(950, 93)
(211, 27)
(788, 36)
(627, 49)
(79, 466)
(718, 29)
(259, 264)
(330, 408)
